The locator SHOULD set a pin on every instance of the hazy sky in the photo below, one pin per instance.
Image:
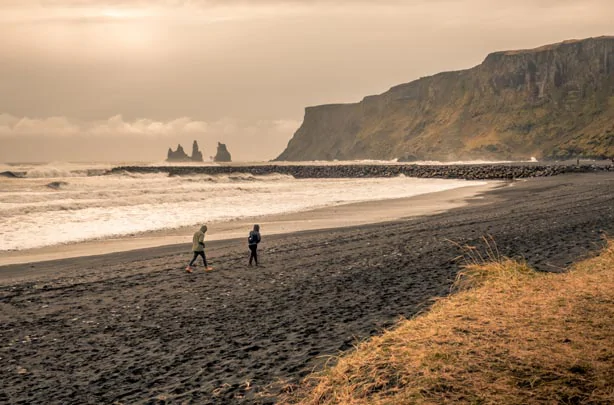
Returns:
(125, 79)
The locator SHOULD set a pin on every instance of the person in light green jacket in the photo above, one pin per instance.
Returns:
(198, 247)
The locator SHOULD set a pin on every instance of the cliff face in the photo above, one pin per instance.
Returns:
(556, 101)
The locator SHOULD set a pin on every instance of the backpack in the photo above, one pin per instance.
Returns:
(251, 239)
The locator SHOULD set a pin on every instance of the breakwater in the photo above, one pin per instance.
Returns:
(467, 172)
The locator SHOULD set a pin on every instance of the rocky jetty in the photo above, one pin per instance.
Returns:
(179, 155)
(468, 172)
(551, 102)
(222, 154)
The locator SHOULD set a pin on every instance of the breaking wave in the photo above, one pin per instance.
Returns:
(75, 207)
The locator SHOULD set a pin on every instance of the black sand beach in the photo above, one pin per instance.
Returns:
(133, 327)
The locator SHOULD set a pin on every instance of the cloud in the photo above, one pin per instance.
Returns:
(257, 3)
(71, 61)
(184, 3)
(11, 126)
(162, 12)
(100, 11)
(147, 139)
(146, 127)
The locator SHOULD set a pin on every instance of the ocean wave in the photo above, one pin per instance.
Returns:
(87, 208)
(54, 172)
(56, 185)
(53, 169)
(214, 178)
(12, 174)
(65, 196)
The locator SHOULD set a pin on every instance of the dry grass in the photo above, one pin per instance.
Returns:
(519, 337)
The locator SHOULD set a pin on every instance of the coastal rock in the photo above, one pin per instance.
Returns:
(222, 154)
(553, 102)
(179, 155)
(460, 171)
(197, 155)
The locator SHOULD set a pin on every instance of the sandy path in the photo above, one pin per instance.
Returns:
(132, 327)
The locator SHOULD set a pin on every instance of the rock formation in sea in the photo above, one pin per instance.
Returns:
(179, 155)
(552, 102)
(197, 155)
(222, 154)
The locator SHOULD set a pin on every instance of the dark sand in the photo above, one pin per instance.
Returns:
(133, 327)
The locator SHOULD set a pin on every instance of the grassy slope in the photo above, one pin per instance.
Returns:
(474, 127)
(554, 102)
(514, 337)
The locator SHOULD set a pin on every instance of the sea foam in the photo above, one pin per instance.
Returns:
(85, 207)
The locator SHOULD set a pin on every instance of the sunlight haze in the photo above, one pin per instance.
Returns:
(117, 80)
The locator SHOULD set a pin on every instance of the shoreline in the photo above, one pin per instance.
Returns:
(137, 328)
(346, 215)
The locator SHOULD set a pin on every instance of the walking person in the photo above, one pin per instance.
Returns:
(198, 247)
(252, 242)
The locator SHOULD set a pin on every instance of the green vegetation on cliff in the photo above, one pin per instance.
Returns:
(556, 102)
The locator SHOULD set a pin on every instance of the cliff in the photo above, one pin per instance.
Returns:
(556, 101)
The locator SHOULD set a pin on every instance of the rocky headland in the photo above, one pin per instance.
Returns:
(552, 102)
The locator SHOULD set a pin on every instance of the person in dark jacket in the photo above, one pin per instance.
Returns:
(252, 242)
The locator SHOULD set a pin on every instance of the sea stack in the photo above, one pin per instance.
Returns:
(179, 155)
(222, 154)
(197, 155)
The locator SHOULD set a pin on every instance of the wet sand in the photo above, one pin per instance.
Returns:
(133, 327)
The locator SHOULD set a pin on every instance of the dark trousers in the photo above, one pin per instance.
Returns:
(196, 254)
(254, 254)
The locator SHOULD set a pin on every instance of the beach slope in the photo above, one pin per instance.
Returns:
(133, 327)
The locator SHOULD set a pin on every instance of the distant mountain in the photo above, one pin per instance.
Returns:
(556, 101)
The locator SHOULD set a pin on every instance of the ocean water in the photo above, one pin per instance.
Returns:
(61, 203)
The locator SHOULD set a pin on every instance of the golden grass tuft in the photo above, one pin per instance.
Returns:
(481, 267)
(520, 337)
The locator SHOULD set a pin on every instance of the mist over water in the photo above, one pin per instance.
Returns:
(65, 203)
